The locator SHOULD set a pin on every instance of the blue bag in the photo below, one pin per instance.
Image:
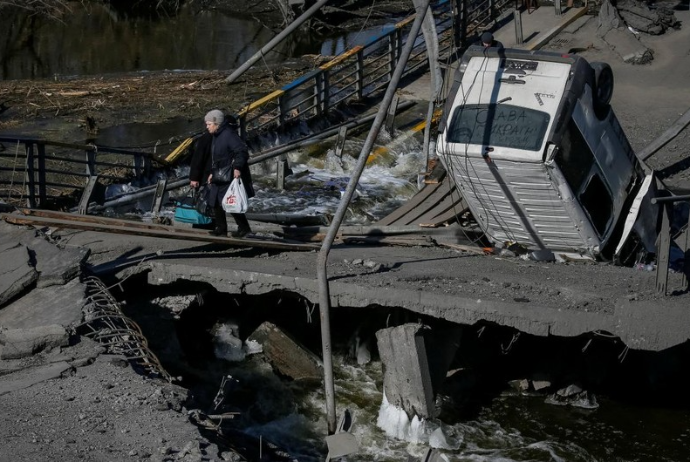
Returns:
(186, 212)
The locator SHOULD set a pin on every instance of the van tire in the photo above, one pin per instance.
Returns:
(603, 85)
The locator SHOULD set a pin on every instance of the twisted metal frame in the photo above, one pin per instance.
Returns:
(106, 324)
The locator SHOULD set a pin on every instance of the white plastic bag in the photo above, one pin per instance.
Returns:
(235, 200)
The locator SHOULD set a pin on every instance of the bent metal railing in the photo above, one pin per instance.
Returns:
(30, 174)
(364, 70)
(354, 75)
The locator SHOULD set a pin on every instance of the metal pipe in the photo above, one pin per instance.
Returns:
(664, 199)
(275, 41)
(324, 295)
(129, 198)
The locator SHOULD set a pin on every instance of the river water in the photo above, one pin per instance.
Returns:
(95, 39)
(510, 426)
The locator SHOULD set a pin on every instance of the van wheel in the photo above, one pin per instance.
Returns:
(603, 84)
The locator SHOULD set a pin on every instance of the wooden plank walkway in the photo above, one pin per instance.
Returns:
(437, 204)
(36, 217)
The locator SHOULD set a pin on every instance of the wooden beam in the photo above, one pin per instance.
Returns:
(141, 229)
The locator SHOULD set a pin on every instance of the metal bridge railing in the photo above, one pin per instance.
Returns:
(31, 175)
(356, 74)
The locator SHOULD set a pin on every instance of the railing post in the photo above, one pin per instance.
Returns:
(463, 22)
(557, 5)
(158, 197)
(86, 195)
(390, 117)
(360, 74)
(663, 248)
(517, 17)
(318, 93)
(138, 165)
(91, 162)
(340, 142)
(281, 168)
(283, 107)
(326, 96)
(686, 249)
(42, 196)
(456, 14)
(30, 180)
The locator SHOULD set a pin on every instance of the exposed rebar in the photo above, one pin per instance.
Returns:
(106, 324)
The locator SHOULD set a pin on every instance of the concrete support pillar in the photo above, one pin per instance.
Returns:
(415, 360)
(406, 378)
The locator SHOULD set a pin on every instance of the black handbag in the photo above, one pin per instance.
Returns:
(202, 204)
(222, 175)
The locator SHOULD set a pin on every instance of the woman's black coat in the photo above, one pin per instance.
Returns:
(224, 147)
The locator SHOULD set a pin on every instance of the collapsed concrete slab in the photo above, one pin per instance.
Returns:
(16, 273)
(20, 343)
(628, 47)
(55, 265)
(287, 356)
(613, 30)
(60, 305)
(406, 377)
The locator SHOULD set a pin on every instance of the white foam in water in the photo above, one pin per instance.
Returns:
(226, 345)
(253, 347)
(395, 423)
(318, 191)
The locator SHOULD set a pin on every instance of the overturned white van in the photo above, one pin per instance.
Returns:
(533, 145)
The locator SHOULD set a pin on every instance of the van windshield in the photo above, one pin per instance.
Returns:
(498, 125)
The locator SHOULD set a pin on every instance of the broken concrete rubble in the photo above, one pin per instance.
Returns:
(285, 354)
(55, 265)
(20, 343)
(643, 19)
(28, 259)
(17, 274)
(61, 305)
(613, 30)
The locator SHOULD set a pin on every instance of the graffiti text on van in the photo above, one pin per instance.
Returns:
(539, 97)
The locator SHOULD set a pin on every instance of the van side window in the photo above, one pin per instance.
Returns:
(574, 158)
(596, 201)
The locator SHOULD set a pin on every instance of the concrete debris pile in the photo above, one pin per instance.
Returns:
(620, 26)
(62, 393)
(642, 18)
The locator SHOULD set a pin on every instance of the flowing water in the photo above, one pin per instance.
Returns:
(511, 427)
